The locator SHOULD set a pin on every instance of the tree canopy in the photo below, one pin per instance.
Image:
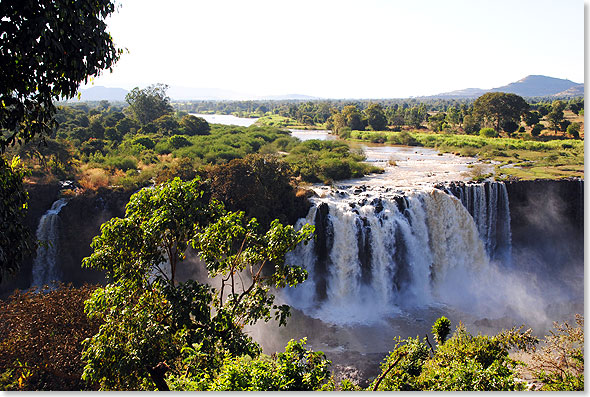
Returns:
(148, 104)
(149, 319)
(499, 108)
(48, 49)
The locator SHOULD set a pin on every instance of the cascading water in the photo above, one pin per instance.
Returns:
(488, 205)
(379, 252)
(44, 270)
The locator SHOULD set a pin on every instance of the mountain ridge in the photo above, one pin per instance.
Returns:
(529, 86)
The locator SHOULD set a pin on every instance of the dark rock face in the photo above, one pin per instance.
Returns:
(547, 218)
(41, 197)
(324, 235)
(80, 222)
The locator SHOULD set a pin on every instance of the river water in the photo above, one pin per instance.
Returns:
(226, 119)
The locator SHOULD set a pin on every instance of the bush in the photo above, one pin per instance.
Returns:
(574, 130)
(488, 132)
(178, 141)
(537, 128)
(145, 141)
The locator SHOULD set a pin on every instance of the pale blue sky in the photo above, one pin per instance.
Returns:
(345, 49)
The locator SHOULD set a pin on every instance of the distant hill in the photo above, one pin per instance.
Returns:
(530, 86)
(99, 93)
(289, 97)
(577, 90)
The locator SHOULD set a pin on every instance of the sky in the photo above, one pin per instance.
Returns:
(342, 48)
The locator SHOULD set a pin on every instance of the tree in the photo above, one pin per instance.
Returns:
(471, 124)
(193, 125)
(498, 108)
(259, 185)
(415, 116)
(48, 49)
(16, 240)
(148, 318)
(555, 116)
(353, 118)
(376, 117)
(574, 130)
(148, 104)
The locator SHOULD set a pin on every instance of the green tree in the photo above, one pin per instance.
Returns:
(471, 124)
(415, 115)
(193, 125)
(498, 108)
(353, 118)
(555, 116)
(48, 49)
(16, 240)
(574, 130)
(148, 318)
(148, 104)
(376, 117)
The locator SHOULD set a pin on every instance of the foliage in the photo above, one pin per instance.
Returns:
(16, 240)
(555, 116)
(326, 161)
(488, 132)
(193, 125)
(463, 362)
(376, 117)
(148, 104)
(296, 369)
(499, 108)
(148, 318)
(40, 338)
(559, 363)
(574, 130)
(261, 186)
(441, 329)
(48, 49)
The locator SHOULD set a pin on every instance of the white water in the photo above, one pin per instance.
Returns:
(45, 270)
(227, 119)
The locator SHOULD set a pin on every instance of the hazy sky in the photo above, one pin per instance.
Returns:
(345, 49)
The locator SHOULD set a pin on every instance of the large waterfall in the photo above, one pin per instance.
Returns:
(44, 269)
(378, 252)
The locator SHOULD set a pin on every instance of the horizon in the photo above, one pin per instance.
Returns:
(339, 50)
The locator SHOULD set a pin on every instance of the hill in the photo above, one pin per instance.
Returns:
(530, 86)
(99, 93)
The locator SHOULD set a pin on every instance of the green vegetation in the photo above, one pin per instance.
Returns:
(149, 319)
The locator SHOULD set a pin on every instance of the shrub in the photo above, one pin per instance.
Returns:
(145, 141)
(537, 128)
(488, 132)
(178, 141)
(574, 130)
(559, 363)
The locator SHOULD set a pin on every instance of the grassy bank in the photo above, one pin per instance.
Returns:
(521, 158)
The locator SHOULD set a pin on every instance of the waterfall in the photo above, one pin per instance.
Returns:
(377, 253)
(44, 269)
(488, 205)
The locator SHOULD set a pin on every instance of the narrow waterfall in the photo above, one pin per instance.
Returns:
(377, 253)
(44, 267)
